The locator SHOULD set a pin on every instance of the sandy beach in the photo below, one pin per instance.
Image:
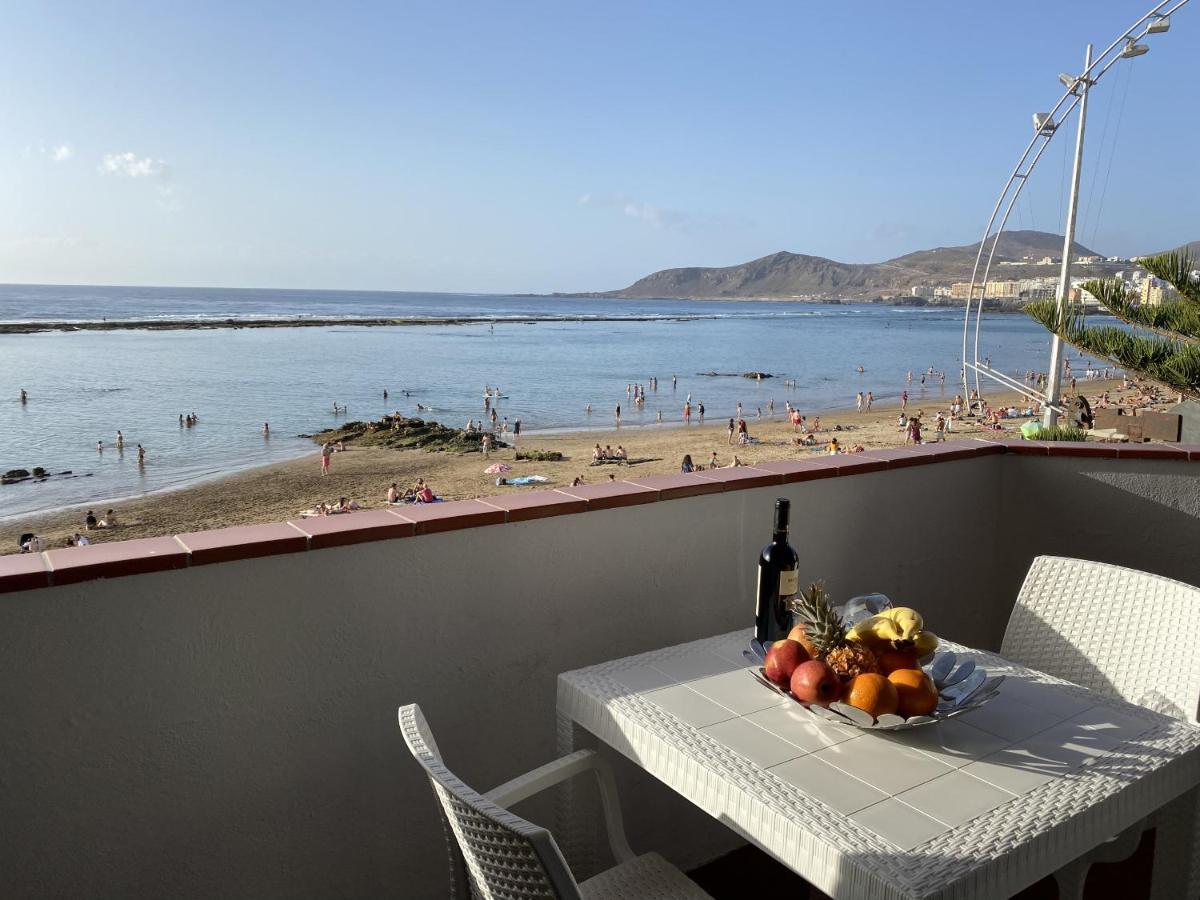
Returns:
(277, 492)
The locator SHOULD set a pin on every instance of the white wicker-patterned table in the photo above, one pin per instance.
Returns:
(978, 806)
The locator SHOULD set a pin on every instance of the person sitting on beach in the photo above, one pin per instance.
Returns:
(833, 447)
(89, 521)
(686, 467)
(621, 455)
(393, 494)
(577, 481)
(424, 493)
(79, 540)
(735, 462)
(109, 520)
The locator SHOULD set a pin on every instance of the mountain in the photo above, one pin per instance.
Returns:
(794, 275)
(1193, 248)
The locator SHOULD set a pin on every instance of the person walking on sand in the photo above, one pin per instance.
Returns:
(913, 435)
(700, 410)
(486, 445)
(516, 431)
(326, 452)
(687, 413)
(858, 401)
(870, 400)
(739, 409)
(904, 400)
(732, 428)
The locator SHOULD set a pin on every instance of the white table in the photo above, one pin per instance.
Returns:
(981, 805)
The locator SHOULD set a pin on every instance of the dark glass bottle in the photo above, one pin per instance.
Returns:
(778, 580)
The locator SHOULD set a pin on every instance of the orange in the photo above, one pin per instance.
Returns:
(873, 694)
(917, 692)
(891, 660)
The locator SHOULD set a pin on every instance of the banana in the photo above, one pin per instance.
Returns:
(899, 628)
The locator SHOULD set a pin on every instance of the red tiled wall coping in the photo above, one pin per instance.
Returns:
(70, 565)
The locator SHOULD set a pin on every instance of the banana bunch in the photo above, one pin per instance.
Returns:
(899, 628)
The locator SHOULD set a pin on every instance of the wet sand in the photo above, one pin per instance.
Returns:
(282, 491)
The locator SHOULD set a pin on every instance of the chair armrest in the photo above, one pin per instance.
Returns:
(533, 782)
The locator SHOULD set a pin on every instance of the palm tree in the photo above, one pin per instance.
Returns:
(1163, 342)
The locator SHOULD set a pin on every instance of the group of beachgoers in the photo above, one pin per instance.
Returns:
(34, 543)
(342, 506)
(120, 445)
(606, 454)
(420, 492)
(687, 466)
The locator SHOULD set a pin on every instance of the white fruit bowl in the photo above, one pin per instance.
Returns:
(961, 687)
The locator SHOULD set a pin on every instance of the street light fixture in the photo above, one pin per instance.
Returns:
(1159, 25)
(1132, 49)
(1068, 81)
(1043, 123)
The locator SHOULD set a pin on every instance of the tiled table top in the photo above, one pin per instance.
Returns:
(990, 781)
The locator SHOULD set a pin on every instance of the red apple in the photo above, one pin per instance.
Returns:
(782, 659)
(815, 682)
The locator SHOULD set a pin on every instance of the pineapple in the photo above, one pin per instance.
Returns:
(823, 634)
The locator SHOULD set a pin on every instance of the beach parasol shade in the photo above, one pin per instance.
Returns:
(497, 468)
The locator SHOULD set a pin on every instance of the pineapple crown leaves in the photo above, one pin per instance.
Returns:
(813, 609)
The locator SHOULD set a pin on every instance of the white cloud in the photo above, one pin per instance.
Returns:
(129, 165)
(58, 154)
(631, 207)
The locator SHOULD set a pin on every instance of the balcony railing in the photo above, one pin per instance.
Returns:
(214, 714)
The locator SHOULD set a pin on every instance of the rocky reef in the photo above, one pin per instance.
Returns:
(403, 433)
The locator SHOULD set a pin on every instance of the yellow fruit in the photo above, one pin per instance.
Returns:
(917, 693)
(873, 694)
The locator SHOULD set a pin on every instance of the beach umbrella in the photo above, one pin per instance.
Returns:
(1030, 429)
(497, 468)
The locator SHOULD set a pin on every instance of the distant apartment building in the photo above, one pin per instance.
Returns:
(1089, 260)
(995, 290)
(1049, 261)
(1156, 292)
(942, 293)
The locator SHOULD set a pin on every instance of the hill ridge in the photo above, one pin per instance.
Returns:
(784, 274)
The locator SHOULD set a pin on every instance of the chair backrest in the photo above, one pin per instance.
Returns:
(1118, 631)
(505, 857)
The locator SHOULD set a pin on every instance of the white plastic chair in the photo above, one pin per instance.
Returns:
(1126, 634)
(500, 856)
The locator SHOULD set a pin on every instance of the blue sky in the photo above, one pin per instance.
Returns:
(558, 145)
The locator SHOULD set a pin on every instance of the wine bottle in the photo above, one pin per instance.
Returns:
(778, 580)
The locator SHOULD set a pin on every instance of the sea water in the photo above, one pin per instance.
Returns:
(84, 386)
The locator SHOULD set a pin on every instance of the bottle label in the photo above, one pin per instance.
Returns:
(789, 582)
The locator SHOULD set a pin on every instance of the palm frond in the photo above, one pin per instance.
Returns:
(1171, 320)
(1173, 363)
(1176, 269)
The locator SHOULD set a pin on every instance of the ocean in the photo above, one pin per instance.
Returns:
(84, 386)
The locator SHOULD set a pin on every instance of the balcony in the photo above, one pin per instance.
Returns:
(214, 714)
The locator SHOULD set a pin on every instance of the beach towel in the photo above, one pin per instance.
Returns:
(527, 479)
